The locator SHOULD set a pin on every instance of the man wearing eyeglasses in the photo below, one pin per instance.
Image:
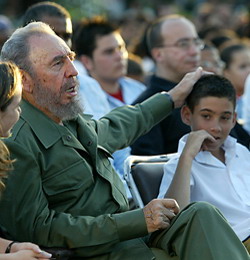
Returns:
(175, 47)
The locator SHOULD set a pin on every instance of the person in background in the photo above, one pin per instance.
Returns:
(237, 67)
(100, 47)
(6, 29)
(245, 105)
(175, 48)
(52, 14)
(10, 97)
(68, 193)
(211, 61)
(141, 49)
(135, 68)
(210, 165)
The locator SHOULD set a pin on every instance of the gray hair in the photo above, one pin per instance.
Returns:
(16, 48)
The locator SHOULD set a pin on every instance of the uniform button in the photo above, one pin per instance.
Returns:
(89, 143)
(69, 137)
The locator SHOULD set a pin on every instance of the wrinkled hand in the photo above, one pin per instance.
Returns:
(30, 249)
(28, 255)
(197, 141)
(159, 212)
(181, 91)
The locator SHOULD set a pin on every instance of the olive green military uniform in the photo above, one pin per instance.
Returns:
(63, 191)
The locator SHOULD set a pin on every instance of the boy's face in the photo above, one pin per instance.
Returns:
(213, 114)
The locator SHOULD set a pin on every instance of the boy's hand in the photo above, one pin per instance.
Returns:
(195, 142)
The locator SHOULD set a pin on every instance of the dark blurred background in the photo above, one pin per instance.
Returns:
(133, 15)
(115, 8)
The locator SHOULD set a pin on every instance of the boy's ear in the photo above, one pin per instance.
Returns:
(27, 82)
(186, 115)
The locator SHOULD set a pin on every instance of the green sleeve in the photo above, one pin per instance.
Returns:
(123, 125)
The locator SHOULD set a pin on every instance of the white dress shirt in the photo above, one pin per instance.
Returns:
(226, 186)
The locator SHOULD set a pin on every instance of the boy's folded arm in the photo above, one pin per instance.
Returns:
(179, 188)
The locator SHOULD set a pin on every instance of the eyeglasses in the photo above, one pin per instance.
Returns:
(216, 64)
(185, 44)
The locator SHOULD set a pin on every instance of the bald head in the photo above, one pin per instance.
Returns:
(160, 26)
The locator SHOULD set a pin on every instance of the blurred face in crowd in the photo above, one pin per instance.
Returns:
(109, 59)
(61, 26)
(210, 61)
(180, 51)
(238, 70)
(53, 86)
(10, 115)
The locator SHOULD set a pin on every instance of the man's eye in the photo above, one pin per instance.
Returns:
(206, 116)
(57, 63)
(183, 44)
(108, 52)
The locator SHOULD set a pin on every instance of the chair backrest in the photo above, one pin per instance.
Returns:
(143, 175)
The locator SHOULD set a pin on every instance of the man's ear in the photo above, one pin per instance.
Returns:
(27, 82)
(156, 54)
(86, 61)
(186, 115)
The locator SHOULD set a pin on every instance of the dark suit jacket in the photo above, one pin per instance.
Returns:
(164, 137)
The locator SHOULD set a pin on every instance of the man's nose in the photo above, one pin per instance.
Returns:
(71, 69)
(194, 49)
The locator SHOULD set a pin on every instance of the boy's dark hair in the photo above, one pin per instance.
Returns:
(87, 31)
(211, 86)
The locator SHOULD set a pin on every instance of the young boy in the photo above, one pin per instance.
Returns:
(210, 165)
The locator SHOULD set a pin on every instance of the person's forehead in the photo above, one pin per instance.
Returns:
(60, 25)
(45, 47)
(215, 104)
(178, 29)
(113, 39)
(240, 54)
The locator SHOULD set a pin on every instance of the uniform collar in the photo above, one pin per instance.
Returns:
(46, 130)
